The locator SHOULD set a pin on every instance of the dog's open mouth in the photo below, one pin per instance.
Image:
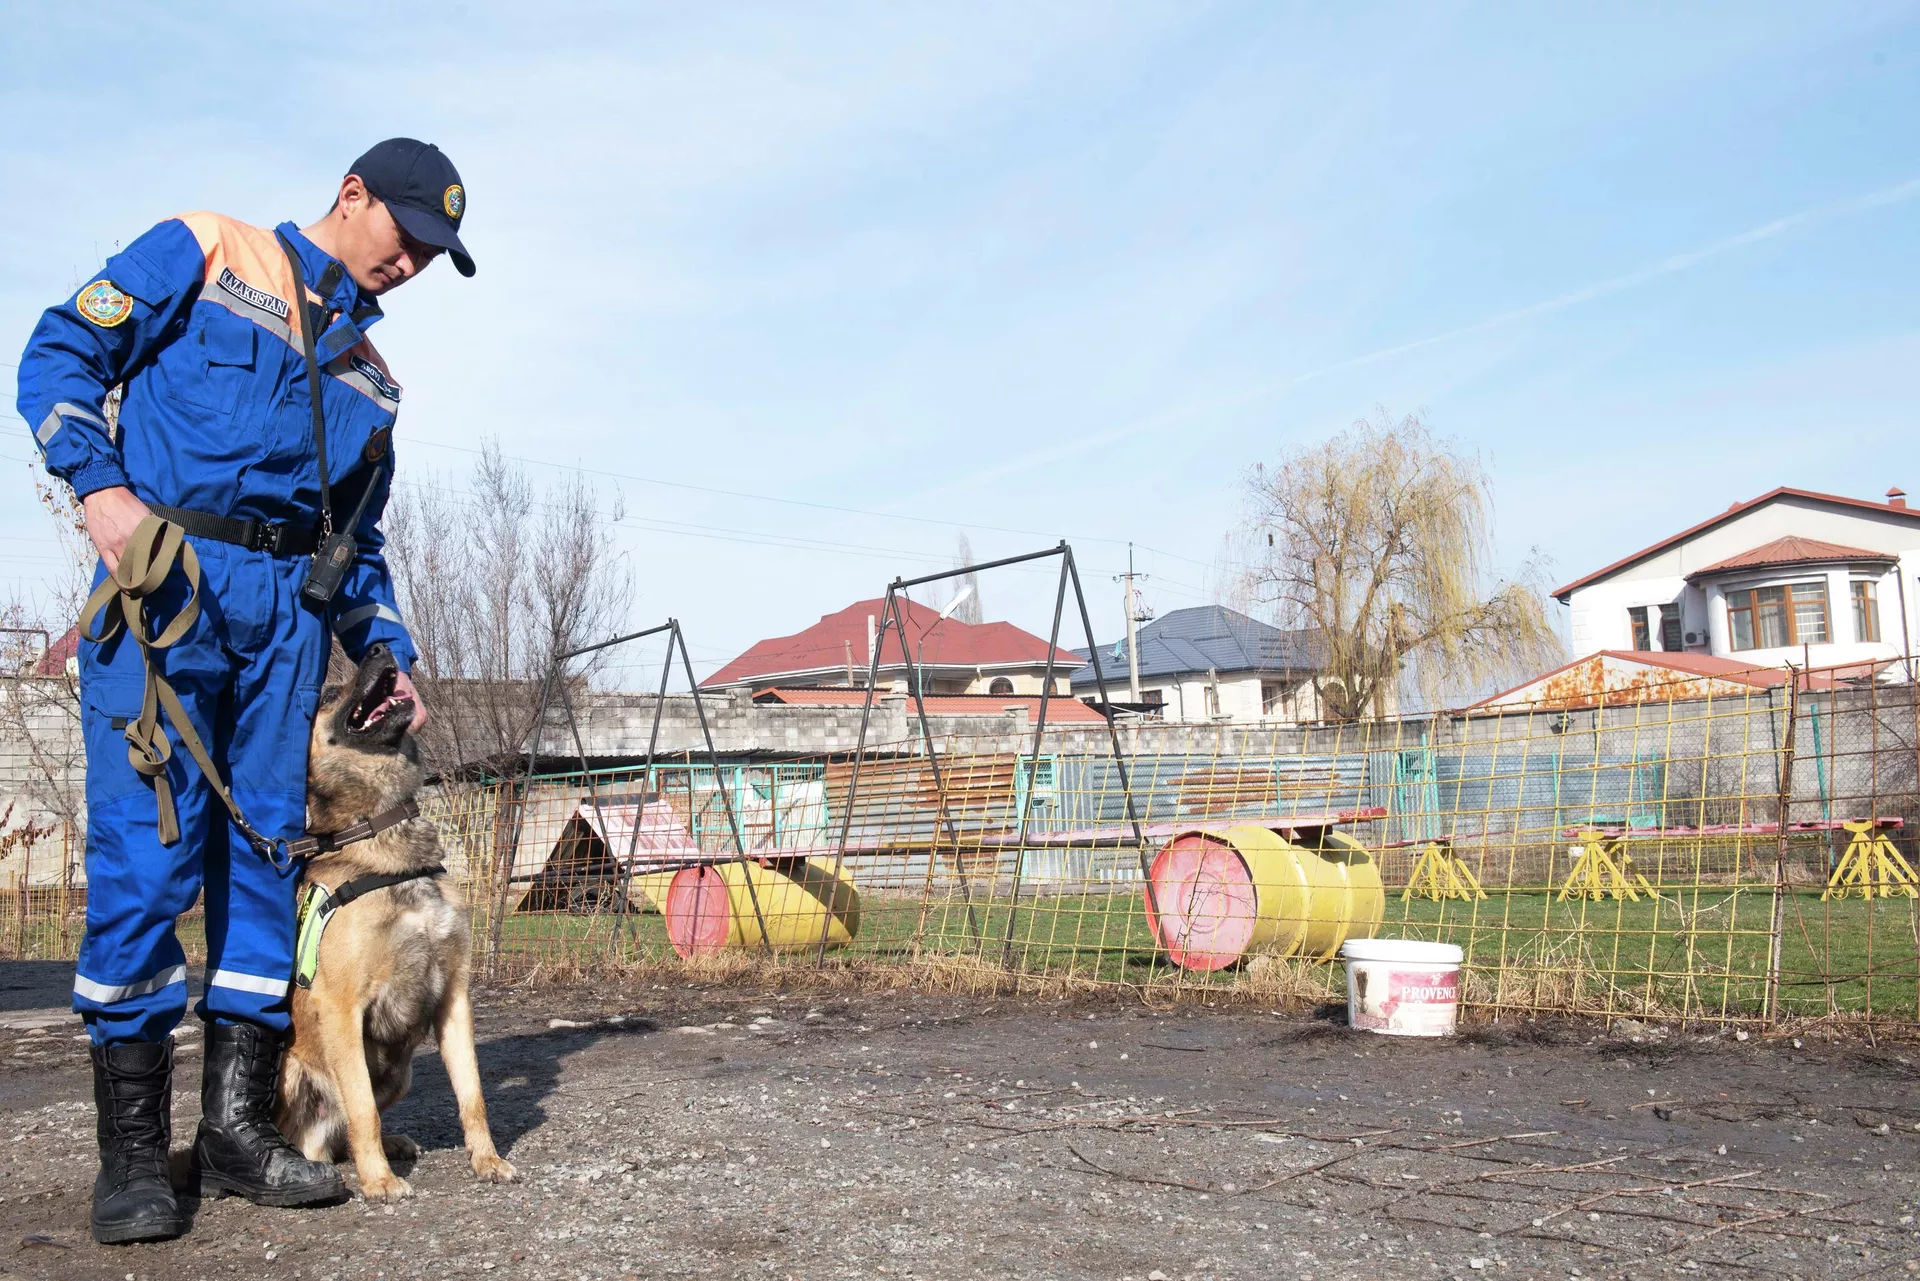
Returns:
(379, 704)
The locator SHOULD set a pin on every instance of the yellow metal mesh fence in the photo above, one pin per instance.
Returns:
(1726, 856)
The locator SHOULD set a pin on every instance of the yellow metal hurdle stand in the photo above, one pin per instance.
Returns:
(1604, 868)
(1439, 874)
(1872, 865)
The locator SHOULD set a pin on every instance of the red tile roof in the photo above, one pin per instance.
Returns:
(1784, 491)
(825, 646)
(1794, 550)
(1061, 710)
(54, 661)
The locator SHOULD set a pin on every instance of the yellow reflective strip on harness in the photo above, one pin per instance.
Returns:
(316, 909)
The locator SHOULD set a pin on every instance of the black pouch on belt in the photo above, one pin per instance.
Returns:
(338, 547)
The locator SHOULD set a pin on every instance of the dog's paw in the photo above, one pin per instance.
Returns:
(399, 1147)
(491, 1169)
(387, 1187)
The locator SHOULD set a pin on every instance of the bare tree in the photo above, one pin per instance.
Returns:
(493, 582)
(1379, 541)
(42, 758)
(969, 611)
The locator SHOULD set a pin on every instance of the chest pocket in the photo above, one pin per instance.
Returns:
(224, 365)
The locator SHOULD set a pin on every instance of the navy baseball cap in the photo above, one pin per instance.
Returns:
(422, 191)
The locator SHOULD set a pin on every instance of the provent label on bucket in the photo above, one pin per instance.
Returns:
(1405, 988)
(1403, 1002)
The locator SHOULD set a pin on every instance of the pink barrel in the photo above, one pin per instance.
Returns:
(1202, 908)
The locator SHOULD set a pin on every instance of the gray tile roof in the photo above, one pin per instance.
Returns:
(1190, 641)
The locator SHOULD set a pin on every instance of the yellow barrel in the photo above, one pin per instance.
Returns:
(709, 908)
(1217, 897)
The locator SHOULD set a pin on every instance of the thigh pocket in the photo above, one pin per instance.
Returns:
(108, 703)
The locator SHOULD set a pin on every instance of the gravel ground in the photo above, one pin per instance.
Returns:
(737, 1133)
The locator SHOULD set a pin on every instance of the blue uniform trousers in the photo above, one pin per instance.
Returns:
(249, 673)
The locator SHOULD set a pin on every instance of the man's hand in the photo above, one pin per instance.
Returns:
(403, 687)
(112, 516)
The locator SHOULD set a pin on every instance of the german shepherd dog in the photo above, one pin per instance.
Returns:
(392, 964)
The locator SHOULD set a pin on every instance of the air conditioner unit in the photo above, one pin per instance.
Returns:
(1696, 638)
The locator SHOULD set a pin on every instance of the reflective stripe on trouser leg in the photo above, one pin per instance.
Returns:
(250, 903)
(130, 981)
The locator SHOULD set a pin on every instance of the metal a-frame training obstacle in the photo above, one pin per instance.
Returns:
(1872, 863)
(1603, 867)
(946, 831)
(709, 900)
(1440, 873)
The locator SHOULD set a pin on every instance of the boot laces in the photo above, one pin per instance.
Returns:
(137, 1118)
(258, 1091)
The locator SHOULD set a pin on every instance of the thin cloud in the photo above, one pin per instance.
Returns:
(1669, 266)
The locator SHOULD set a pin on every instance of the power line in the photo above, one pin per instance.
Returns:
(769, 498)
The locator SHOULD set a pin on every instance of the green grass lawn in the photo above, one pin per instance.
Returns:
(1700, 952)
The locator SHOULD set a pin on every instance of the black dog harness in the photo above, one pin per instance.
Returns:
(318, 903)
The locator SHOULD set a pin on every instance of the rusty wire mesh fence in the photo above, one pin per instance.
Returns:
(1731, 857)
(1724, 858)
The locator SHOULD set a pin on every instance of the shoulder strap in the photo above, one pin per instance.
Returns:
(363, 885)
(315, 392)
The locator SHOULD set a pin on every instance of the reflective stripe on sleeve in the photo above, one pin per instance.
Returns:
(247, 983)
(103, 994)
(51, 425)
(354, 617)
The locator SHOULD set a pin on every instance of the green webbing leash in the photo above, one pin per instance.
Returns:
(145, 562)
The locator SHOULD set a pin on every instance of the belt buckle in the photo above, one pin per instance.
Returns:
(267, 536)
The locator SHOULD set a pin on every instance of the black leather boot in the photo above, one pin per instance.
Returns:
(133, 1099)
(238, 1150)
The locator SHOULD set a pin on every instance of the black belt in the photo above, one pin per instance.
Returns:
(254, 535)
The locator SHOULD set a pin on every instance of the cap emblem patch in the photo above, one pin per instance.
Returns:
(103, 304)
(455, 201)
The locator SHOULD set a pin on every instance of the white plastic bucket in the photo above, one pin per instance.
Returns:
(1402, 987)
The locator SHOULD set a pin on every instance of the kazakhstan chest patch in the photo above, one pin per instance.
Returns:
(104, 304)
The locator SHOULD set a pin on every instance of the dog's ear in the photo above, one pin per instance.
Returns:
(331, 695)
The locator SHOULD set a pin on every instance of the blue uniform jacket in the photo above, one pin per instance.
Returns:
(193, 317)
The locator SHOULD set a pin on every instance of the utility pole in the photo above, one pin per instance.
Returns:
(1137, 612)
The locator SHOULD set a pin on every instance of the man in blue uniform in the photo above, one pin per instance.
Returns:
(205, 322)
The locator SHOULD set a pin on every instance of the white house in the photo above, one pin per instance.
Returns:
(1210, 663)
(1789, 577)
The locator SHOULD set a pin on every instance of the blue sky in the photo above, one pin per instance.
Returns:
(1033, 272)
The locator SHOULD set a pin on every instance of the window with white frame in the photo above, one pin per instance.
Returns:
(1866, 611)
(1773, 617)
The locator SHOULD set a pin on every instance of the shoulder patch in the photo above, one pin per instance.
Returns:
(375, 375)
(246, 293)
(104, 304)
(377, 445)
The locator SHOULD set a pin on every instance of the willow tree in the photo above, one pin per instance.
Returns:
(1378, 540)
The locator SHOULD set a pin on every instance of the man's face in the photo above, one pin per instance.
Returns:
(374, 249)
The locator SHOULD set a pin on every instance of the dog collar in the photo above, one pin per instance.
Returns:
(318, 904)
(366, 829)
